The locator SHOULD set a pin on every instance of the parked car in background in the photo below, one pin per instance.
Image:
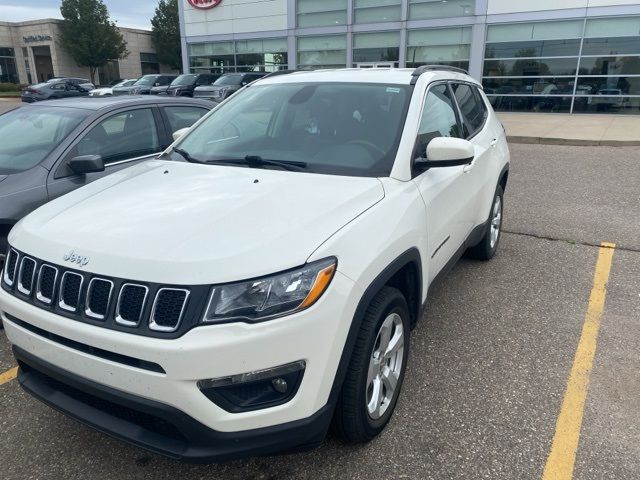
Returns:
(184, 85)
(226, 85)
(106, 91)
(144, 84)
(83, 83)
(53, 89)
(52, 148)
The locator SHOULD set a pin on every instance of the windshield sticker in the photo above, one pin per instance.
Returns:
(393, 90)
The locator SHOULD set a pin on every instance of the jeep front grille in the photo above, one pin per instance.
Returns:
(156, 310)
(98, 298)
(46, 287)
(10, 267)
(26, 274)
(70, 289)
(168, 308)
(131, 304)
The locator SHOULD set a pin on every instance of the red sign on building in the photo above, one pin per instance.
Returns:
(204, 4)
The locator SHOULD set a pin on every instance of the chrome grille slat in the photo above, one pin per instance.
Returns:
(10, 267)
(131, 304)
(70, 291)
(96, 305)
(45, 286)
(26, 274)
(168, 309)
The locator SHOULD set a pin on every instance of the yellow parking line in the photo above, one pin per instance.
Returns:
(8, 375)
(561, 459)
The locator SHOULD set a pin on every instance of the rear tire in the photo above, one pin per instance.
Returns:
(376, 370)
(488, 246)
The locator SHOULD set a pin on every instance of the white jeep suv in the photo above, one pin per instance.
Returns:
(259, 280)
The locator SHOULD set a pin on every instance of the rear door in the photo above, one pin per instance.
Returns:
(123, 138)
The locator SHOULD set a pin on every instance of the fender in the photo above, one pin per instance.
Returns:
(411, 256)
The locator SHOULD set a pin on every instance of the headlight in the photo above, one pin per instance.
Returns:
(221, 92)
(272, 296)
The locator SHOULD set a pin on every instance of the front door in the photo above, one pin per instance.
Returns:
(445, 190)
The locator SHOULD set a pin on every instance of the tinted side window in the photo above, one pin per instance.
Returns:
(183, 117)
(471, 106)
(121, 136)
(438, 118)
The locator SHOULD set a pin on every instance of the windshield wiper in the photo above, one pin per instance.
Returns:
(258, 161)
(187, 156)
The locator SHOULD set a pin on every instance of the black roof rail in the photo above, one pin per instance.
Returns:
(434, 68)
(280, 72)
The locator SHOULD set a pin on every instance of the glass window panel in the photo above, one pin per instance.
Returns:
(613, 27)
(439, 36)
(608, 86)
(537, 48)
(438, 118)
(531, 104)
(618, 105)
(326, 51)
(312, 13)
(8, 70)
(463, 64)
(316, 6)
(183, 117)
(530, 67)
(261, 46)
(7, 52)
(609, 65)
(374, 3)
(473, 109)
(374, 40)
(425, 9)
(535, 31)
(332, 42)
(425, 55)
(376, 55)
(377, 14)
(217, 48)
(529, 86)
(611, 46)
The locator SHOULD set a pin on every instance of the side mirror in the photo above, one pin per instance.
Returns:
(87, 164)
(178, 133)
(447, 152)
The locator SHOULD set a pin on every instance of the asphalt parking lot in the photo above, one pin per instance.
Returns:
(490, 363)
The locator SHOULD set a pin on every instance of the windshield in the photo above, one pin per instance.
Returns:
(335, 128)
(146, 80)
(229, 80)
(184, 80)
(29, 134)
(126, 83)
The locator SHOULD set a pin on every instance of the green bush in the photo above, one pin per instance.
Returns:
(11, 87)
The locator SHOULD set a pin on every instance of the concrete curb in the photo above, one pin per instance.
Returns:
(572, 141)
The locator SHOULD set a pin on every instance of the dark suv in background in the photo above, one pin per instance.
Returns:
(184, 85)
(146, 84)
(226, 85)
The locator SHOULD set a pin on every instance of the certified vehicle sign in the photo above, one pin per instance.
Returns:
(204, 4)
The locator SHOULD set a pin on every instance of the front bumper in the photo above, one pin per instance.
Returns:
(155, 426)
(316, 335)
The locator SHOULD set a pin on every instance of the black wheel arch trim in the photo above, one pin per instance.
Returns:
(411, 256)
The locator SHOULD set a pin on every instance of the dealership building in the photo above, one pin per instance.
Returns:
(579, 56)
(30, 52)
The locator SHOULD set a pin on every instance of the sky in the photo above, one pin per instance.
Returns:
(126, 13)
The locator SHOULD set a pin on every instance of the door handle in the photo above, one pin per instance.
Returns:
(494, 142)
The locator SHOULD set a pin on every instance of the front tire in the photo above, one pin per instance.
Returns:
(488, 246)
(376, 371)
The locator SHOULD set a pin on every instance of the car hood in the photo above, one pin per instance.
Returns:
(2, 177)
(209, 88)
(181, 223)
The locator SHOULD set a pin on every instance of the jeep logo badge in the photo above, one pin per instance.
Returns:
(75, 258)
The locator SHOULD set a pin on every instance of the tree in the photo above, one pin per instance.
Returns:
(165, 26)
(88, 34)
